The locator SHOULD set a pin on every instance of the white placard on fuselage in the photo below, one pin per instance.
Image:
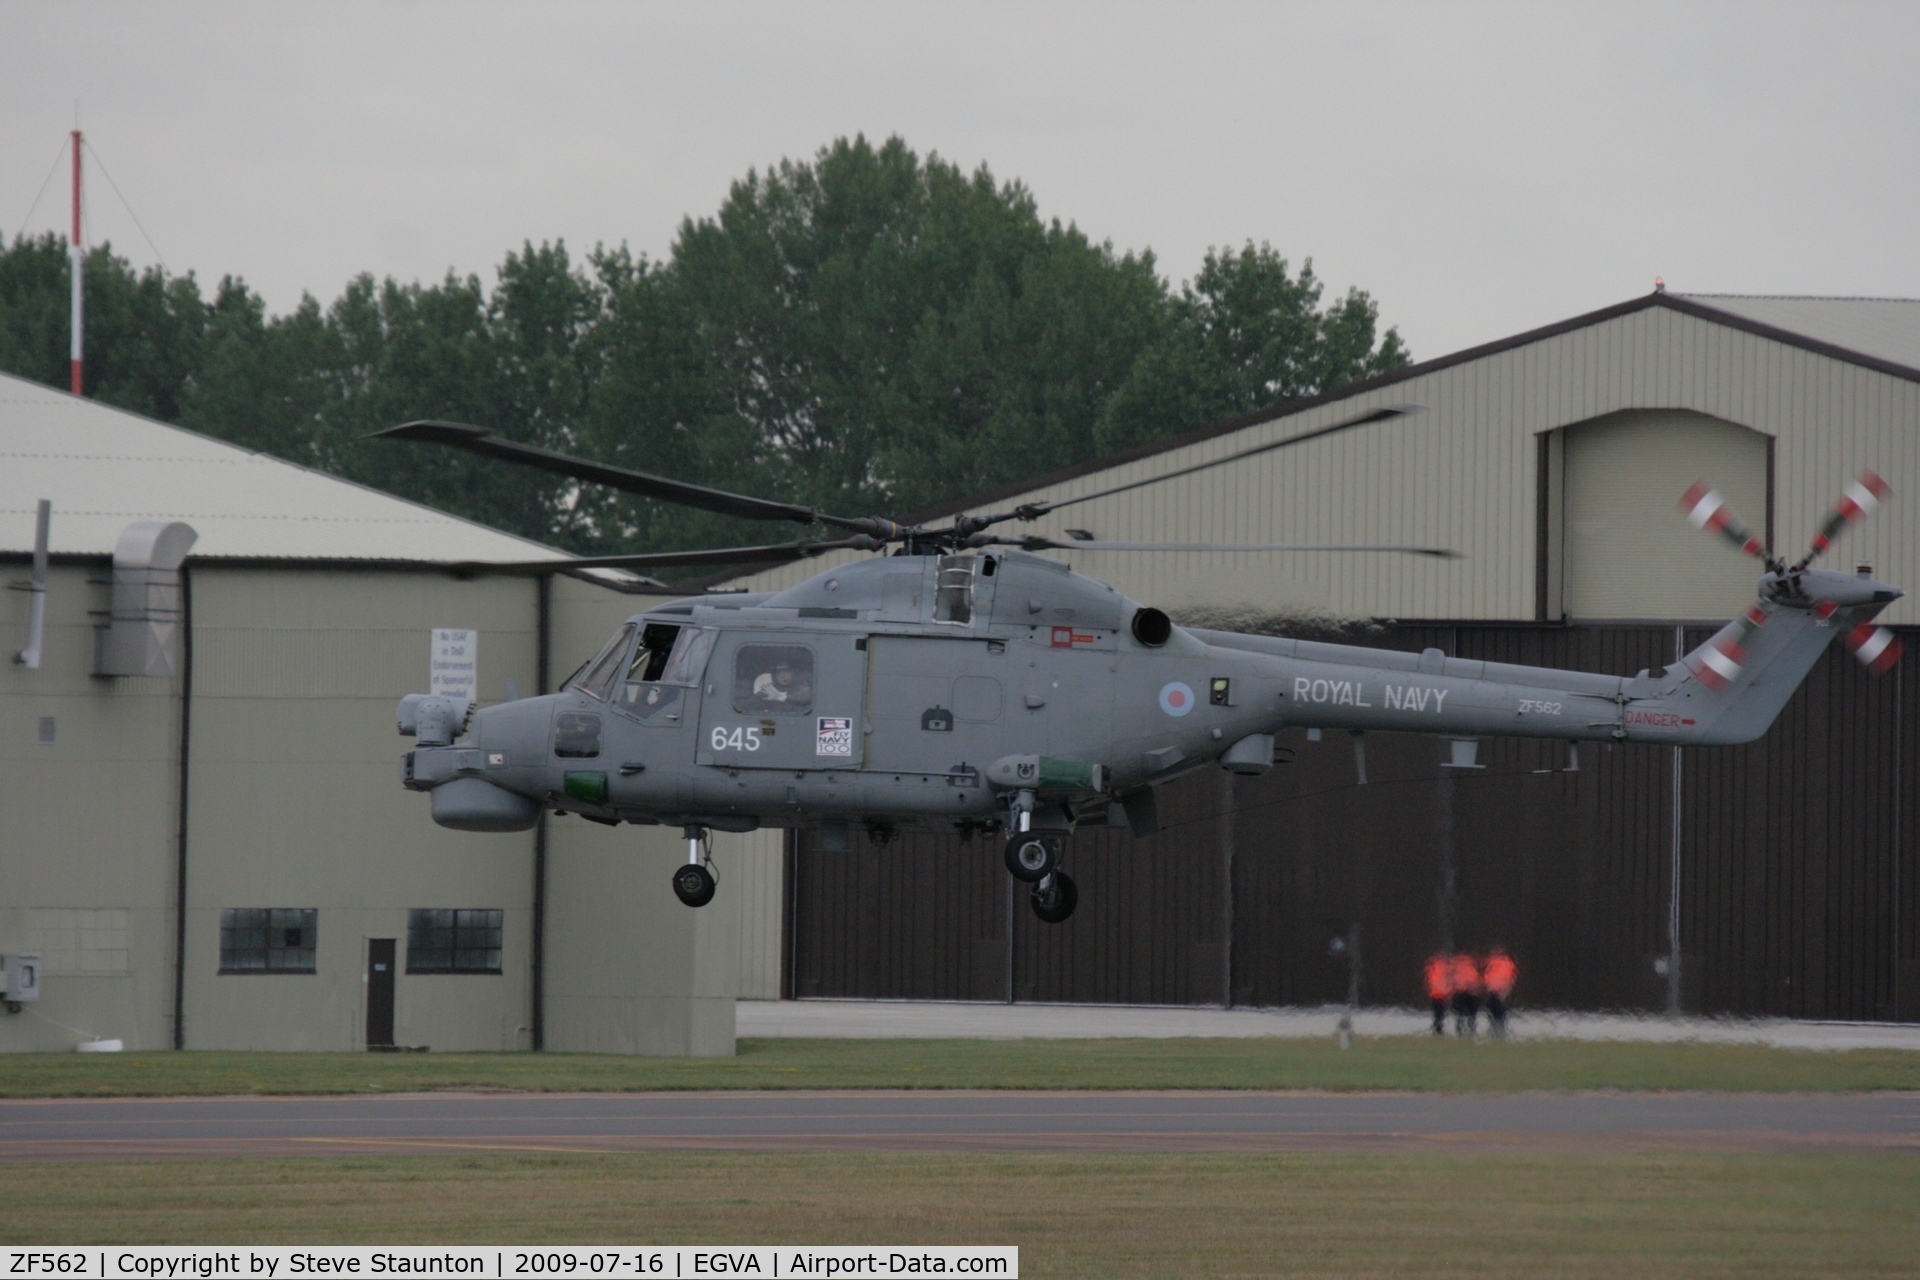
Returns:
(454, 667)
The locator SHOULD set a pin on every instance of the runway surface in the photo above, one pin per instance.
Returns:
(150, 1128)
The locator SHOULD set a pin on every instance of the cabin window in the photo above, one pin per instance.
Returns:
(953, 590)
(773, 680)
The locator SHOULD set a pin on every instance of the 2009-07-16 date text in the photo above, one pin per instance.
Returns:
(594, 1264)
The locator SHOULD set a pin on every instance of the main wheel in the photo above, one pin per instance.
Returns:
(693, 884)
(1031, 856)
(1054, 900)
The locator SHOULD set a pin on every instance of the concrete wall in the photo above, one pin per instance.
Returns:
(293, 771)
(86, 830)
(297, 803)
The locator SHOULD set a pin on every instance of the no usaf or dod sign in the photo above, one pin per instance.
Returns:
(496, 1263)
(453, 669)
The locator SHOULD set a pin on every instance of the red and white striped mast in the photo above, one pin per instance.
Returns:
(78, 253)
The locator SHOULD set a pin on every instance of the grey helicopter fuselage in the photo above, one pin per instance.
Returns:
(929, 691)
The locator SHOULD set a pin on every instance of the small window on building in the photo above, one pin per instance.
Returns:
(773, 679)
(453, 940)
(268, 939)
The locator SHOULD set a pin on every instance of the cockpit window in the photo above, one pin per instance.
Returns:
(689, 657)
(666, 655)
(650, 659)
(773, 679)
(596, 679)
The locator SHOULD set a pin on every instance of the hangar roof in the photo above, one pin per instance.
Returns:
(1886, 328)
(104, 468)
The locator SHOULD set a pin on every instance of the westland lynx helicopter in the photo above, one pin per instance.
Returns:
(966, 683)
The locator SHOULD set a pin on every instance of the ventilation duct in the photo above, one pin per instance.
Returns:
(142, 635)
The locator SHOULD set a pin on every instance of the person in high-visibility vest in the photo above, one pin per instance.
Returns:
(1499, 973)
(1439, 989)
(1465, 972)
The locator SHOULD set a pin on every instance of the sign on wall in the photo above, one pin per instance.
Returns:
(454, 669)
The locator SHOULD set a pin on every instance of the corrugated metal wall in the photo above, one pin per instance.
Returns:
(1797, 882)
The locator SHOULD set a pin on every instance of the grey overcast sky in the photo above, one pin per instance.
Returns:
(1479, 168)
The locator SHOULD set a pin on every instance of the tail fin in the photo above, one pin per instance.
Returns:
(1736, 684)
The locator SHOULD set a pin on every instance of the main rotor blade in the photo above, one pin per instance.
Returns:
(458, 435)
(770, 553)
(1034, 510)
(1078, 544)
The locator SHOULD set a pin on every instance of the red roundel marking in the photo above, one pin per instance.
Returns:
(1176, 698)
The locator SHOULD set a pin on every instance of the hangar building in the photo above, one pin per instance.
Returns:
(1777, 878)
(217, 852)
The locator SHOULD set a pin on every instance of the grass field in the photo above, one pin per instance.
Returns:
(1415, 1063)
(1427, 1213)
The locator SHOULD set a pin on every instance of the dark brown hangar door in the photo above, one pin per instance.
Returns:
(934, 705)
(380, 993)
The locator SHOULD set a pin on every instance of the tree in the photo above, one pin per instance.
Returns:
(867, 332)
(143, 330)
(893, 332)
(1247, 336)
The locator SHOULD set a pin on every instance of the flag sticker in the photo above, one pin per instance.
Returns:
(834, 736)
(1176, 699)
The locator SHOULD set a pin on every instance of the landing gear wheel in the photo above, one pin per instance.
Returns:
(1031, 856)
(1055, 898)
(693, 885)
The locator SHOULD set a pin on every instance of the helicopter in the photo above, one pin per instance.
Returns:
(963, 681)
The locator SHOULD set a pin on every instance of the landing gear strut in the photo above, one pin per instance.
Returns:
(1033, 857)
(1054, 898)
(693, 883)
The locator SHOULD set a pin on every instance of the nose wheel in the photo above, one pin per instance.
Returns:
(693, 882)
(1032, 856)
(1054, 898)
(693, 885)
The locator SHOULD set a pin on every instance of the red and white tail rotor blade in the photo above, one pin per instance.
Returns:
(1718, 662)
(1706, 509)
(1876, 647)
(1855, 503)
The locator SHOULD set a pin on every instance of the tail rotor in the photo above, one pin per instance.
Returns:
(1719, 662)
(1706, 509)
(1856, 502)
(1876, 647)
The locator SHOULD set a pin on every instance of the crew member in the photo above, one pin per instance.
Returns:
(1439, 989)
(1465, 972)
(782, 684)
(1499, 973)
